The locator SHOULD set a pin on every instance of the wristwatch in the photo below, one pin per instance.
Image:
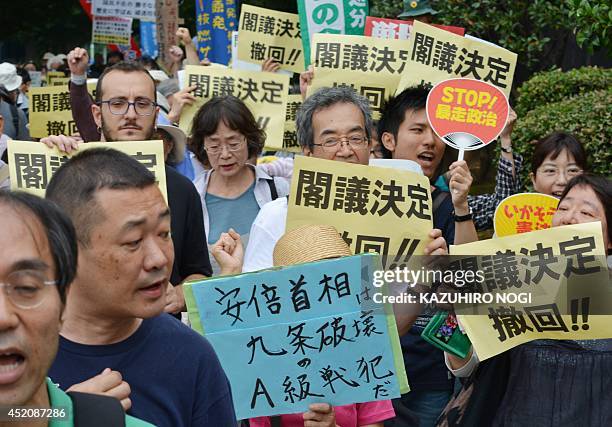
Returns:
(505, 150)
(463, 218)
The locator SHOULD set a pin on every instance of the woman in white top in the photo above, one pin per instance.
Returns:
(225, 135)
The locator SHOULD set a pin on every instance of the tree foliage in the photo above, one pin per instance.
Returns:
(579, 102)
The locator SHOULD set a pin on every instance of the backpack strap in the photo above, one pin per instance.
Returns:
(275, 421)
(94, 410)
(439, 199)
(272, 186)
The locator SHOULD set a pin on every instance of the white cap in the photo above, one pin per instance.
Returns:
(9, 77)
(179, 138)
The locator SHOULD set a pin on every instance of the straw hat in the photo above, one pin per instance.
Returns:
(309, 243)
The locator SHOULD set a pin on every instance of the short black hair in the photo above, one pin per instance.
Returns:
(59, 230)
(126, 67)
(73, 187)
(114, 54)
(393, 112)
(235, 114)
(601, 186)
(552, 145)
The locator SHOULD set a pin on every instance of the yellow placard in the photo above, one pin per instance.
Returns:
(360, 53)
(51, 75)
(50, 112)
(266, 33)
(375, 87)
(381, 210)
(32, 164)
(264, 93)
(561, 270)
(290, 142)
(438, 55)
(60, 81)
(525, 212)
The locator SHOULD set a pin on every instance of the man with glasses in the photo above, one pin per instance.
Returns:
(115, 338)
(332, 124)
(38, 258)
(125, 109)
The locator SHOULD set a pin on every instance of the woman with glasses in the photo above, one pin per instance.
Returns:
(557, 158)
(225, 135)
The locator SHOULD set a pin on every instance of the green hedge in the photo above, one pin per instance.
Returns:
(556, 85)
(588, 116)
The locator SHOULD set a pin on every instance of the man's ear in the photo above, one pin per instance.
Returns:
(306, 151)
(96, 112)
(388, 141)
(532, 178)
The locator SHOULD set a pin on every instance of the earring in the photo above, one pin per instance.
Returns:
(99, 129)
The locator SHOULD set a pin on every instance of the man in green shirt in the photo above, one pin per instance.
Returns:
(38, 260)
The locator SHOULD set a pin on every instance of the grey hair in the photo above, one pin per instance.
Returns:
(324, 98)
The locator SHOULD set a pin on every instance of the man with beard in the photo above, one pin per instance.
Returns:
(125, 110)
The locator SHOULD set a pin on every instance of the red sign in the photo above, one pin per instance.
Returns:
(398, 29)
(467, 114)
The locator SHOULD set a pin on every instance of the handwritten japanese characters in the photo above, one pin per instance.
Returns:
(437, 55)
(50, 111)
(283, 336)
(32, 164)
(380, 210)
(266, 33)
(564, 268)
(264, 93)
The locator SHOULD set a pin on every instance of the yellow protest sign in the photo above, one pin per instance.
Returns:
(360, 53)
(438, 55)
(266, 33)
(381, 210)
(264, 93)
(32, 164)
(525, 212)
(290, 142)
(60, 81)
(563, 273)
(375, 87)
(51, 75)
(50, 112)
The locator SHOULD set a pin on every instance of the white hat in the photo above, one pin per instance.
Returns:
(179, 138)
(158, 75)
(9, 77)
(48, 55)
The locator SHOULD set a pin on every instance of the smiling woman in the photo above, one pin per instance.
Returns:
(226, 136)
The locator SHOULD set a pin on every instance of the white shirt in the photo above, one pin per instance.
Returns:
(267, 229)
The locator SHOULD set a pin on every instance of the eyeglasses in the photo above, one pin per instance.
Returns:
(357, 142)
(26, 288)
(232, 147)
(120, 106)
(550, 171)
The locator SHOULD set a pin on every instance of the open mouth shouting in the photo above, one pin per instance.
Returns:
(12, 363)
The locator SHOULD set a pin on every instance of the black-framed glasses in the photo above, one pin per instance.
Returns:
(120, 106)
(26, 288)
(357, 142)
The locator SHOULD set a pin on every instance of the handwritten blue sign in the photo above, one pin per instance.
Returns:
(301, 334)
